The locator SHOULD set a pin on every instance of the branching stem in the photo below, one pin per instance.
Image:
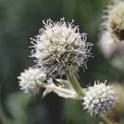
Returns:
(75, 84)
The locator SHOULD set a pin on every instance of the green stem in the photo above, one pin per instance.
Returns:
(105, 120)
(75, 84)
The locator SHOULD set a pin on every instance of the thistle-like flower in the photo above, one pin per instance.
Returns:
(31, 80)
(60, 48)
(114, 19)
(99, 99)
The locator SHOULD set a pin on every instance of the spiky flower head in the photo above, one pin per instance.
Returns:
(99, 99)
(31, 80)
(60, 47)
(114, 19)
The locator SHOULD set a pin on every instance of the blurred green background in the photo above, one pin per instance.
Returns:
(20, 20)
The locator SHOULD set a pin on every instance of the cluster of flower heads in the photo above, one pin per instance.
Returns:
(112, 34)
(60, 49)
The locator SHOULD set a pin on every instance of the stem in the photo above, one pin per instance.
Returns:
(75, 84)
(106, 120)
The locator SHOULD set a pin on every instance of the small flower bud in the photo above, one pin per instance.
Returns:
(31, 80)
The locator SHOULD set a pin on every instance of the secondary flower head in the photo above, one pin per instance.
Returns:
(31, 80)
(99, 99)
(114, 19)
(60, 47)
(106, 44)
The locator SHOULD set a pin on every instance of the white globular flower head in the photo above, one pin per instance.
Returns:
(31, 80)
(60, 47)
(99, 99)
(114, 19)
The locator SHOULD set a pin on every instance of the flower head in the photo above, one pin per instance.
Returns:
(31, 80)
(114, 19)
(107, 44)
(60, 47)
(99, 99)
